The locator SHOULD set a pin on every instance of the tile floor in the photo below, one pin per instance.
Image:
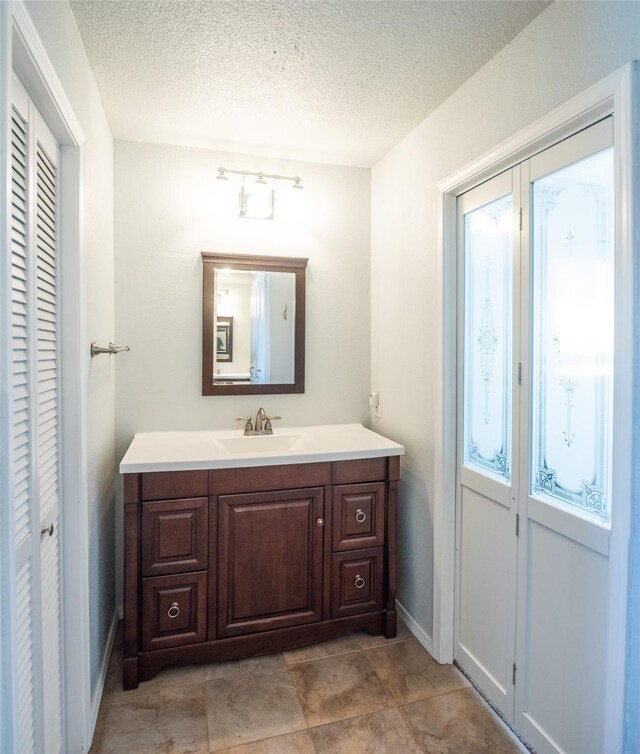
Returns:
(359, 694)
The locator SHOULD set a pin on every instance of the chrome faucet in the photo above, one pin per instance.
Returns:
(262, 425)
(261, 419)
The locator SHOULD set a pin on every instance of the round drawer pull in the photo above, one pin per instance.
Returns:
(360, 516)
(359, 582)
(173, 611)
(47, 530)
(320, 521)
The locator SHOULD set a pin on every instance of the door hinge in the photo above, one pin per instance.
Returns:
(513, 677)
(520, 218)
(519, 373)
(517, 524)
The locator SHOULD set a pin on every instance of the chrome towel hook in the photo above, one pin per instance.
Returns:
(111, 348)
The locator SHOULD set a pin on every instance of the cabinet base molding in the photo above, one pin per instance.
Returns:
(147, 665)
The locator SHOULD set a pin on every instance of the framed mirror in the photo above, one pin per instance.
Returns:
(253, 324)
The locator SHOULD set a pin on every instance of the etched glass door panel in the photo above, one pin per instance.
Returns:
(572, 346)
(487, 337)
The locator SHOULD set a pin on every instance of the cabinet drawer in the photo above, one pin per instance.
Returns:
(175, 536)
(357, 582)
(165, 485)
(361, 470)
(358, 516)
(174, 610)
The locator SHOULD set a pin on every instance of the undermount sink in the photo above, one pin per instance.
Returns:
(258, 443)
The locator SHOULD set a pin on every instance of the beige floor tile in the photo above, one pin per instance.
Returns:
(131, 727)
(251, 707)
(366, 641)
(338, 687)
(167, 678)
(459, 723)
(292, 743)
(409, 673)
(261, 664)
(255, 710)
(323, 649)
(381, 733)
(182, 721)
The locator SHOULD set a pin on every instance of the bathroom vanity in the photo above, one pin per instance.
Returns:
(237, 546)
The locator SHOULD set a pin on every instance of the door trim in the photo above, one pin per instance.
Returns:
(612, 94)
(24, 53)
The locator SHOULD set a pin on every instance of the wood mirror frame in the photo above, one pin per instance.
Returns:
(249, 263)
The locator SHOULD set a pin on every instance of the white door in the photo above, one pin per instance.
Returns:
(487, 505)
(534, 532)
(35, 401)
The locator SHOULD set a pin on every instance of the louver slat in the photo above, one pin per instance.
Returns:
(24, 646)
(47, 304)
(19, 263)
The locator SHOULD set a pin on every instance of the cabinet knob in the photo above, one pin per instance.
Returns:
(47, 530)
(320, 521)
(358, 582)
(360, 516)
(173, 611)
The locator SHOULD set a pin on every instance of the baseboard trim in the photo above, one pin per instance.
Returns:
(416, 629)
(102, 678)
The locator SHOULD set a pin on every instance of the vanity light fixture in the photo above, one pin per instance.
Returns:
(257, 198)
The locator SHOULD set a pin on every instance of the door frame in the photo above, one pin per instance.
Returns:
(24, 53)
(612, 95)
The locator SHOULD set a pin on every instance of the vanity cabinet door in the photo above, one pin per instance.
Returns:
(270, 555)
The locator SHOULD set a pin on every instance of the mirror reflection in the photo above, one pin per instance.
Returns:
(255, 317)
(253, 312)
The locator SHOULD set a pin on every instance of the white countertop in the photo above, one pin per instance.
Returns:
(181, 451)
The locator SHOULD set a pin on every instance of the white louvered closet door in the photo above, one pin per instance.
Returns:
(36, 461)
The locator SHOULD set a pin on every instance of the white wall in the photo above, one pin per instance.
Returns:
(57, 29)
(164, 218)
(562, 52)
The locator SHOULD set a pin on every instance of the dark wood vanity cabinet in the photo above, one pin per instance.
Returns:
(227, 563)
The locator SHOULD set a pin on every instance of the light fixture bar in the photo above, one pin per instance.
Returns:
(222, 175)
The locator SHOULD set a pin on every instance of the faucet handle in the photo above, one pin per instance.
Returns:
(248, 427)
(267, 425)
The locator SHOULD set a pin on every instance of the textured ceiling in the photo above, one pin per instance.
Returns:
(338, 81)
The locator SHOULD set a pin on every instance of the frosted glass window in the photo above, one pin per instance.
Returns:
(572, 349)
(487, 337)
